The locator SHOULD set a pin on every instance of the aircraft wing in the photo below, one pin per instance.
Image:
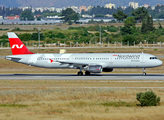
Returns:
(69, 62)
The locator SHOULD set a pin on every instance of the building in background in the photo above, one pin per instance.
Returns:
(52, 9)
(134, 5)
(107, 15)
(158, 4)
(123, 7)
(1, 17)
(25, 8)
(110, 5)
(83, 8)
(75, 8)
(13, 17)
(146, 6)
(59, 10)
(152, 7)
(41, 9)
(89, 7)
(87, 16)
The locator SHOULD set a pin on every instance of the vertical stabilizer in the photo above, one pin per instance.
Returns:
(17, 46)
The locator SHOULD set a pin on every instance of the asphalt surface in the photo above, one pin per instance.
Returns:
(75, 77)
(2, 56)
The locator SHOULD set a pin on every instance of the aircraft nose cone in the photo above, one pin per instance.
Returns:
(160, 62)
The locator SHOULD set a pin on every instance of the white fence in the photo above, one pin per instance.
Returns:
(86, 45)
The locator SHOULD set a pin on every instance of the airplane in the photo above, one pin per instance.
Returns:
(88, 62)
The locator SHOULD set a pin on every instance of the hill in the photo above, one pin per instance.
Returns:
(67, 3)
(11, 3)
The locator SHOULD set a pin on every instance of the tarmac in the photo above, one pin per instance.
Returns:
(75, 77)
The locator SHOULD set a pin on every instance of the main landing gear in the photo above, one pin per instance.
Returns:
(80, 73)
(144, 73)
(87, 73)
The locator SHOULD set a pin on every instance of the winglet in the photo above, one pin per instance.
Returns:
(17, 46)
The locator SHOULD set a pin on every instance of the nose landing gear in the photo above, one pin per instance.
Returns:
(144, 73)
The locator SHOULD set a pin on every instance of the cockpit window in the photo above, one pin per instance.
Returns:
(153, 58)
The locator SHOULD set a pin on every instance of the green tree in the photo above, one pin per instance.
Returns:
(140, 14)
(69, 14)
(112, 28)
(99, 15)
(161, 38)
(148, 98)
(94, 39)
(34, 36)
(69, 22)
(74, 16)
(126, 30)
(27, 15)
(101, 21)
(60, 35)
(160, 26)
(39, 18)
(143, 28)
(152, 37)
(48, 40)
(129, 22)
(128, 39)
(161, 15)
(147, 25)
(150, 26)
(25, 36)
(120, 16)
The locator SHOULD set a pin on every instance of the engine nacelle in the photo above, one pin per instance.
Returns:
(107, 69)
(95, 68)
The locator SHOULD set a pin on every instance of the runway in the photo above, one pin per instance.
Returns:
(75, 77)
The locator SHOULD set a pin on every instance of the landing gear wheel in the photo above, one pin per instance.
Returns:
(144, 74)
(87, 73)
(80, 73)
(143, 71)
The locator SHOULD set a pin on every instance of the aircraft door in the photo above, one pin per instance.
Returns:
(72, 58)
(111, 59)
(142, 59)
(33, 59)
(30, 60)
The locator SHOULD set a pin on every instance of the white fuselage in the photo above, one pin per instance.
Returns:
(78, 60)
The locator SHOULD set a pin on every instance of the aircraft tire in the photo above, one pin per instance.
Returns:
(87, 73)
(144, 74)
(80, 73)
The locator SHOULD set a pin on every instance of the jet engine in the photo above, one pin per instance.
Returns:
(95, 68)
(107, 69)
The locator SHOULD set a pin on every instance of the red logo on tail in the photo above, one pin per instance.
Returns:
(17, 46)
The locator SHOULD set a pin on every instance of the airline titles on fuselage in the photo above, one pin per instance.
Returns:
(127, 56)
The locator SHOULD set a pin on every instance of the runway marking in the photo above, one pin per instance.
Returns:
(75, 77)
